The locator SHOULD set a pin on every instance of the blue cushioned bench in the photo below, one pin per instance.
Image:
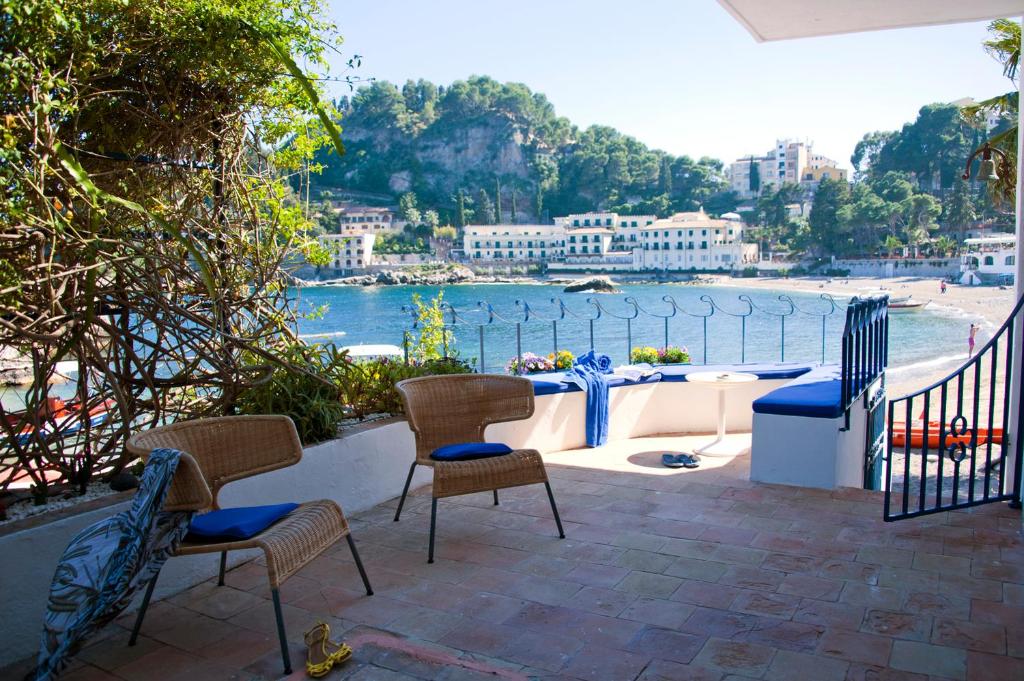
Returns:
(552, 382)
(816, 394)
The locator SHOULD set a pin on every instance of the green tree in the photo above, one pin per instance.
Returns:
(446, 233)
(826, 231)
(958, 211)
(407, 209)
(755, 176)
(866, 152)
(484, 210)
(892, 244)
(431, 219)
(497, 200)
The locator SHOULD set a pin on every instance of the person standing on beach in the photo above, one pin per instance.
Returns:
(970, 340)
(942, 286)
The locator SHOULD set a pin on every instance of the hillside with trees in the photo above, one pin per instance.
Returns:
(483, 151)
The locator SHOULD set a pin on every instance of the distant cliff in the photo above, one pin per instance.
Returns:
(464, 147)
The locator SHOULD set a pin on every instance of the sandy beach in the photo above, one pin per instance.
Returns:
(987, 306)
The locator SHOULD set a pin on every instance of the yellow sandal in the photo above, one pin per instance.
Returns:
(323, 652)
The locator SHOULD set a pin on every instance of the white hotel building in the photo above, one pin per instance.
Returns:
(612, 242)
(694, 241)
(513, 243)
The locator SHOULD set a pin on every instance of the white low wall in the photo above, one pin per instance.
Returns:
(559, 420)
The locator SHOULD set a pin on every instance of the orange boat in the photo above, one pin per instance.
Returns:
(62, 418)
(899, 435)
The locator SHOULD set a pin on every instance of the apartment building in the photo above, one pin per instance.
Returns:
(349, 251)
(788, 161)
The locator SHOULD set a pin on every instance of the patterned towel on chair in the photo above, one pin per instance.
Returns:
(107, 562)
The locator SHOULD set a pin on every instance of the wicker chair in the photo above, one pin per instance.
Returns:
(220, 450)
(445, 410)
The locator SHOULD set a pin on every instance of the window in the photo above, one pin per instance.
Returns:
(509, 244)
(585, 249)
(632, 237)
(679, 233)
(648, 222)
(633, 223)
(572, 239)
(529, 254)
(989, 260)
(667, 246)
(622, 224)
(543, 254)
(584, 239)
(703, 232)
(690, 233)
(655, 245)
(572, 249)
(586, 223)
(726, 257)
(666, 232)
(1011, 260)
(704, 245)
(575, 223)
(529, 244)
(478, 254)
(689, 245)
(511, 255)
(679, 245)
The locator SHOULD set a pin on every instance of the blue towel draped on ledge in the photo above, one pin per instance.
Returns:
(107, 562)
(588, 372)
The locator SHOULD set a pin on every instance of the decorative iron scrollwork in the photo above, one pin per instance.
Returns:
(958, 432)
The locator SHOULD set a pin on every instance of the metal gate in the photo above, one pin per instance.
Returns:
(948, 445)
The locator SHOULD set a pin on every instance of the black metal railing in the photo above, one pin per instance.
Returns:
(558, 316)
(953, 444)
(865, 347)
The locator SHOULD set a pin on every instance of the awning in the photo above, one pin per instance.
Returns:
(786, 19)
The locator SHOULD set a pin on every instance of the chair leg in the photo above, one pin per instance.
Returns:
(359, 564)
(408, 481)
(142, 610)
(223, 566)
(433, 524)
(554, 509)
(495, 497)
(285, 657)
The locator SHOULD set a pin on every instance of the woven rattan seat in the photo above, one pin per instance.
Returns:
(217, 451)
(445, 410)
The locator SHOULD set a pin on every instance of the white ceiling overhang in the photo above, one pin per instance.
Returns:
(769, 20)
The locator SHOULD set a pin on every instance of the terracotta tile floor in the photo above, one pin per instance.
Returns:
(665, 574)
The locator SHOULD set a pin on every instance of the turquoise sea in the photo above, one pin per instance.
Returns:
(357, 315)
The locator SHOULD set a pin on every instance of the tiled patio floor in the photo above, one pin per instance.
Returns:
(664, 575)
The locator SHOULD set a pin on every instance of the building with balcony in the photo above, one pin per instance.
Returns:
(789, 161)
(349, 252)
(694, 241)
(513, 243)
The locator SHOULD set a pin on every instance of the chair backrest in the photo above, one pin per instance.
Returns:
(226, 448)
(445, 410)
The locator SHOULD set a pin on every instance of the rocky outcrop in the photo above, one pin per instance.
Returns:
(411, 276)
(598, 284)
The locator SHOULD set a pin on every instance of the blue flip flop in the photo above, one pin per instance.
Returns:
(680, 460)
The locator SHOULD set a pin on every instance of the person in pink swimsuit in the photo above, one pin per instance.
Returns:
(970, 340)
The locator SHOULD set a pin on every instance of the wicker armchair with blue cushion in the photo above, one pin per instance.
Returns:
(231, 448)
(448, 415)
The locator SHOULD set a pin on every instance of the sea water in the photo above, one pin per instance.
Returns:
(356, 315)
(922, 339)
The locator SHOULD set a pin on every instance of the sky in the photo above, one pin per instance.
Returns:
(679, 75)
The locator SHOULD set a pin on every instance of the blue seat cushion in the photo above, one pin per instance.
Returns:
(816, 399)
(236, 523)
(464, 451)
(674, 373)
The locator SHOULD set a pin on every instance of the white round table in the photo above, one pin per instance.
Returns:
(721, 380)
